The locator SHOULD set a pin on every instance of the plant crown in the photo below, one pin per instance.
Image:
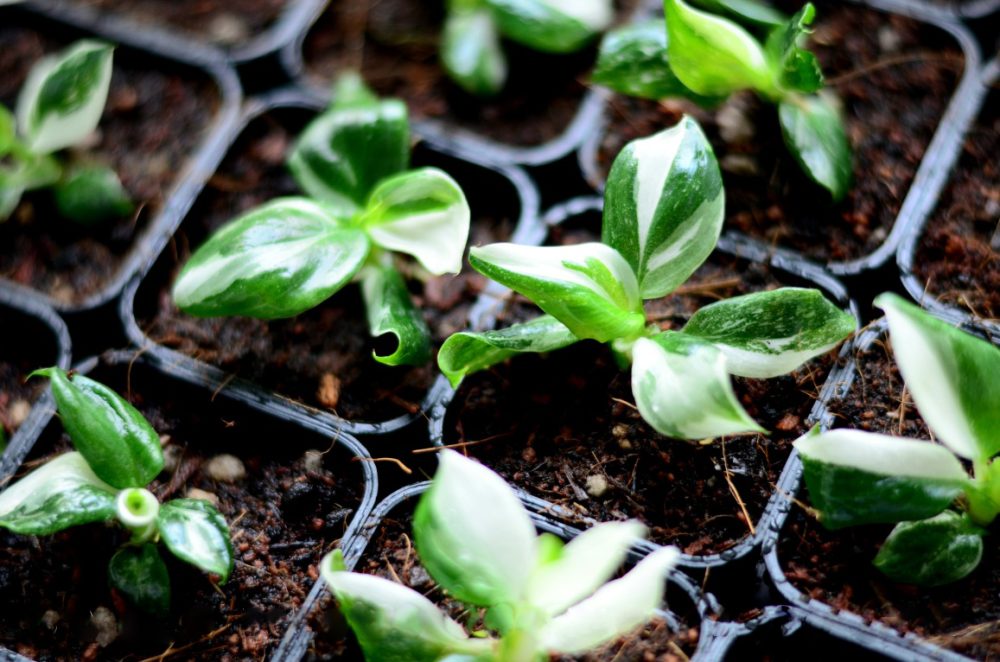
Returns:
(706, 55)
(478, 543)
(117, 455)
(362, 203)
(663, 212)
(471, 51)
(940, 511)
(59, 106)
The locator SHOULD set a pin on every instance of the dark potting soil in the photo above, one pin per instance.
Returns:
(959, 255)
(228, 23)
(152, 122)
(560, 424)
(284, 516)
(392, 555)
(835, 566)
(26, 344)
(394, 43)
(895, 77)
(324, 356)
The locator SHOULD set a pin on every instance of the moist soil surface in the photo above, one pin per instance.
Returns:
(835, 566)
(322, 357)
(895, 77)
(958, 258)
(558, 424)
(284, 516)
(228, 23)
(391, 554)
(26, 344)
(153, 121)
(396, 50)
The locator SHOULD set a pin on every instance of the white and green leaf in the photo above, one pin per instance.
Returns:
(682, 388)
(952, 376)
(195, 532)
(63, 97)
(473, 535)
(766, 334)
(141, 575)
(390, 309)
(422, 213)
(664, 206)
(815, 135)
(552, 26)
(61, 493)
(471, 52)
(746, 12)
(857, 477)
(932, 552)
(588, 287)
(467, 352)
(795, 67)
(92, 194)
(277, 260)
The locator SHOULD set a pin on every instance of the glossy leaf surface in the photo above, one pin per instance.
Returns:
(552, 26)
(814, 133)
(931, 552)
(471, 52)
(92, 194)
(141, 575)
(796, 68)
(195, 532)
(390, 309)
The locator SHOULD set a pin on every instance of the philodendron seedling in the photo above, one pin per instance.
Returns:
(663, 212)
(940, 511)
(59, 106)
(362, 204)
(706, 57)
(478, 543)
(105, 479)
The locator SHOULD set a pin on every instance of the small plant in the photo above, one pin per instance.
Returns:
(471, 51)
(59, 106)
(940, 512)
(363, 204)
(663, 211)
(478, 543)
(706, 57)
(117, 455)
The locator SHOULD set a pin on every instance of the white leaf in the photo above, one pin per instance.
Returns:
(62, 474)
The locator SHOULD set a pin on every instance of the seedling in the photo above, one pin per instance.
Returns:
(940, 512)
(663, 211)
(362, 204)
(471, 51)
(117, 455)
(478, 543)
(58, 108)
(706, 57)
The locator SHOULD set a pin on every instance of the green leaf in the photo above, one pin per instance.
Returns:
(275, 261)
(467, 352)
(195, 532)
(712, 55)
(390, 310)
(613, 610)
(471, 52)
(422, 213)
(346, 151)
(952, 376)
(117, 441)
(588, 287)
(473, 535)
(64, 95)
(746, 12)
(633, 61)
(682, 388)
(552, 26)
(28, 171)
(141, 575)
(771, 333)
(10, 196)
(92, 194)
(814, 133)
(796, 68)
(394, 623)
(664, 206)
(931, 552)
(857, 477)
(8, 131)
(61, 493)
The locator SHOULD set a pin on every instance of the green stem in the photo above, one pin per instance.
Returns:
(982, 505)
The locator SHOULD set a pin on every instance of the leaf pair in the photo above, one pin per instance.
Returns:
(663, 212)
(291, 254)
(58, 107)
(117, 454)
(471, 51)
(706, 57)
(478, 543)
(856, 477)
